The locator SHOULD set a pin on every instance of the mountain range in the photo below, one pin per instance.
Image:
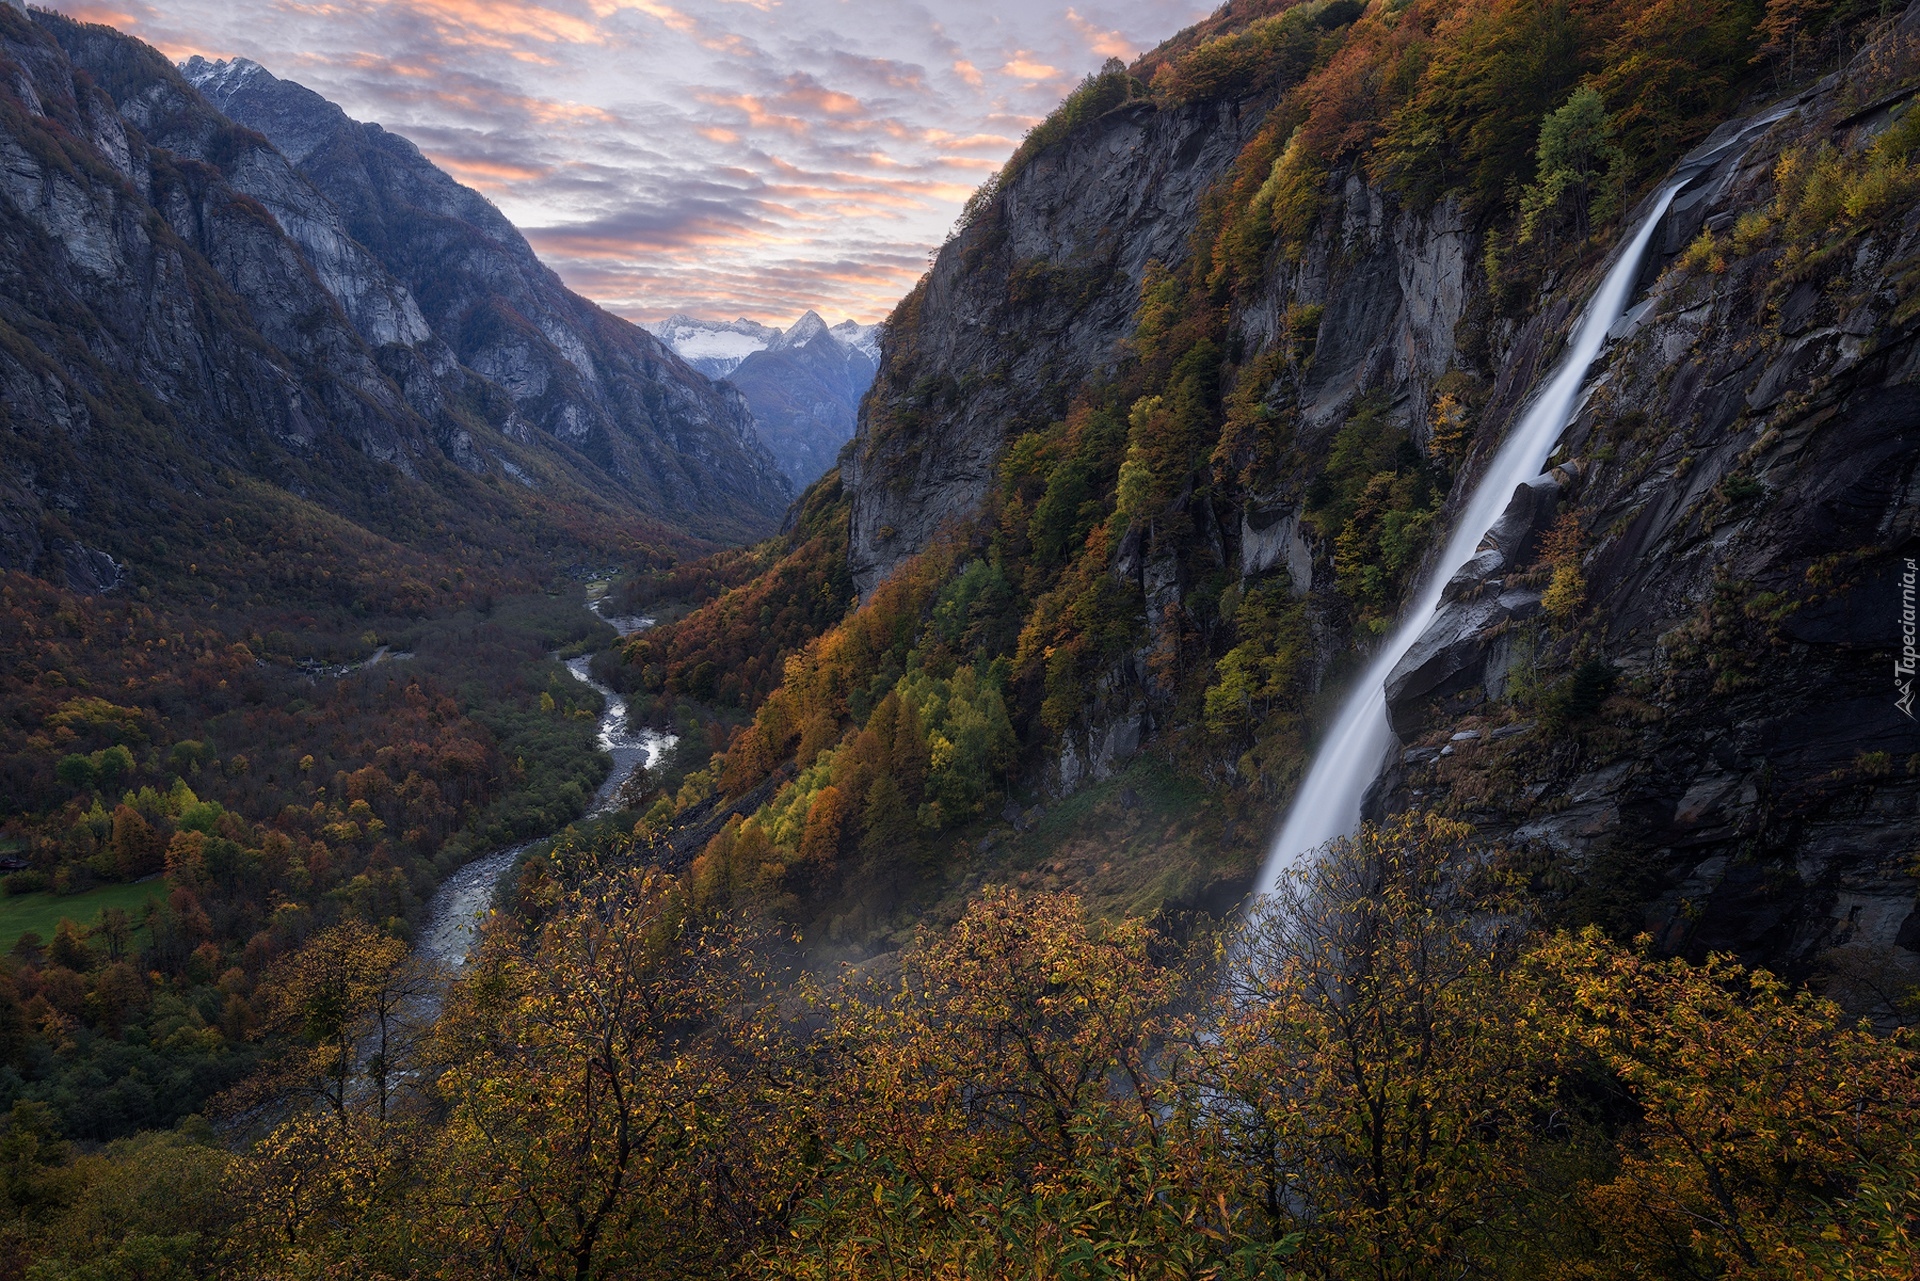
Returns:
(804, 383)
(191, 304)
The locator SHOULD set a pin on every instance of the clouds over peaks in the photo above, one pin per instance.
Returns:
(749, 157)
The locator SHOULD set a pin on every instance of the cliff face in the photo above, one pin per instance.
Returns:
(1698, 735)
(1031, 300)
(157, 314)
(602, 387)
(1747, 471)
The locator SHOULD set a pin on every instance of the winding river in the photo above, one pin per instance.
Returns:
(463, 899)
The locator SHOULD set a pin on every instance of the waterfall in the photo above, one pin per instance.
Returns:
(1328, 803)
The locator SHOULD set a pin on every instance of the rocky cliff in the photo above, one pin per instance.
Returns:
(600, 386)
(1744, 474)
(160, 317)
(1031, 299)
(1669, 681)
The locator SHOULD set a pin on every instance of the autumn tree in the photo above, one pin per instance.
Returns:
(345, 1001)
(1000, 1111)
(1774, 1138)
(604, 1083)
(1368, 1056)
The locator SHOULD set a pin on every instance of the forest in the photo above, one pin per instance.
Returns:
(1392, 1069)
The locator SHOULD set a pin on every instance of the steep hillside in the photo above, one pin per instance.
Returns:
(672, 442)
(1029, 302)
(1163, 440)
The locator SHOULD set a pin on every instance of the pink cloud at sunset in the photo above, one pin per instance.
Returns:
(718, 157)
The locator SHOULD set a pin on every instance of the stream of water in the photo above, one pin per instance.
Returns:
(1330, 798)
(464, 899)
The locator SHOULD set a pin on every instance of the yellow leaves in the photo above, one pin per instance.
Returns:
(1754, 1094)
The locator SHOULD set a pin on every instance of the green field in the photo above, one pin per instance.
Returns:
(40, 913)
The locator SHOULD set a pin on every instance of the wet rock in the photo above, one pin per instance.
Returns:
(1450, 656)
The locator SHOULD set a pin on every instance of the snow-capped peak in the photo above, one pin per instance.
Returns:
(220, 77)
(864, 338)
(804, 331)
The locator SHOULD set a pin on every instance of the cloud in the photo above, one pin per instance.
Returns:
(1108, 44)
(1024, 66)
(720, 157)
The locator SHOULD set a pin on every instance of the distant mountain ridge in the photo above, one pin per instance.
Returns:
(804, 383)
(589, 381)
(714, 347)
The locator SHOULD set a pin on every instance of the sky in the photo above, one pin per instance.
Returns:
(715, 157)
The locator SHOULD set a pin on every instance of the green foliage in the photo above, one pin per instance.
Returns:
(1264, 670)
(1375, 501)
(1578, 696)
(1489, 77)
(1088, 462)
(1576, 154)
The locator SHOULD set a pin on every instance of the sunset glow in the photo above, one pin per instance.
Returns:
(720, 157)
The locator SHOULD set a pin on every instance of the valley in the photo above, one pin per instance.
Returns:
(1311, 704)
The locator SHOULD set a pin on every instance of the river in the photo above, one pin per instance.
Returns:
(463, 899)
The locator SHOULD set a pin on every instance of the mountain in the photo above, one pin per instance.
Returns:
(1169, 437)
(804, 383)
(864, 338)
(805, 389)
(714, 347)
(673, 442)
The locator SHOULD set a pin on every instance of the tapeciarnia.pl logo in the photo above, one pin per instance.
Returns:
(1903, 666)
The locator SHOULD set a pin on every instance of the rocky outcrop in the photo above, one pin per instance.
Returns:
(598, 387)
(1032, 298)
(1390, 287)
(1463, 647)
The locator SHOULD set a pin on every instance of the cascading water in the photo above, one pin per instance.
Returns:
(1328, 804)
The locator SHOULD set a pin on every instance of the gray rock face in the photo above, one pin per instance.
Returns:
(1018, 309)
(1392, 286)
(191, 310)
(163, 317)
(1455, 651)
(1752, 496)
(601, 388)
